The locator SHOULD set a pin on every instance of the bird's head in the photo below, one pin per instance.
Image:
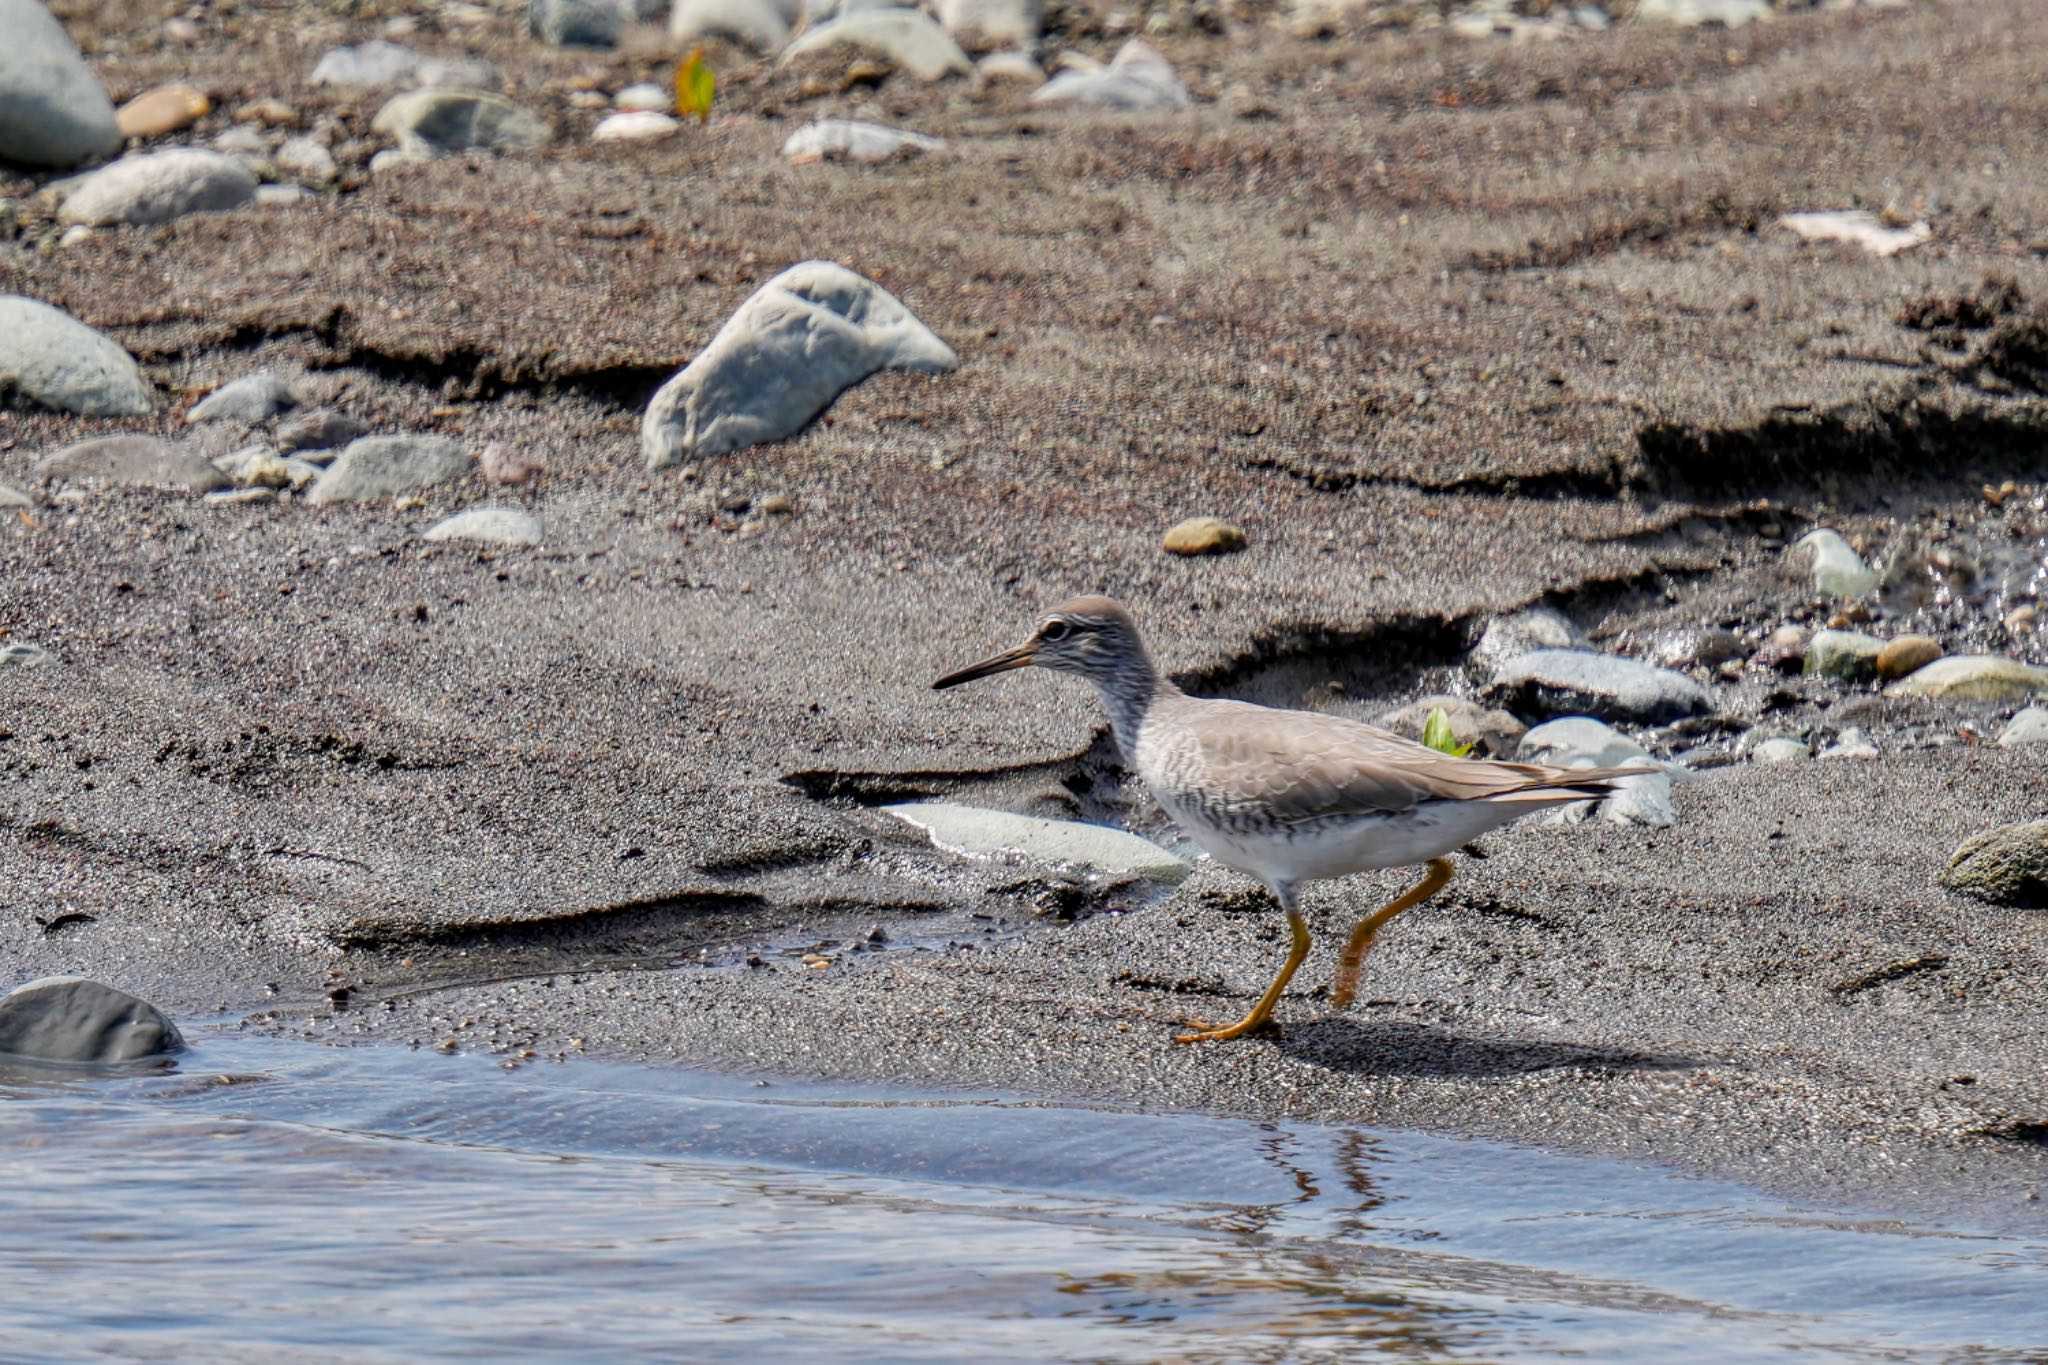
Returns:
(1091, 637)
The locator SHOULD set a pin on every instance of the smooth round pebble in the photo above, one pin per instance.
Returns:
(1204, 536)
(1904, 655)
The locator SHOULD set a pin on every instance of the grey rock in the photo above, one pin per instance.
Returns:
(1972, 677)
(1697, 648)
(982, 25)
(261, 467)
(138, 461)
(2028, 728)
(1846, 654)
(1549, 682)
(491, 526)
(1010, 66)
(157, 187)
(53, 111)
(387, 65)
(251, 399)
(11, 498)
(1507, 638)
(71, 1019)
(581, 23)
(855, 140)
(1850, 743)
(306, 158)
(1782, 749)
(973, 830)
(1582, 742)
(1495, 733)
(437, 122)
(2005, 866)
(763, 25)
(1826, 561)
(904, 37)
(1138, 79)
(801, 340)
(51, 358)
(377, 466)
(19, 653)
(319, 429)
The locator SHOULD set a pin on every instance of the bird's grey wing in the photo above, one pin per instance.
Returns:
(1297, 766)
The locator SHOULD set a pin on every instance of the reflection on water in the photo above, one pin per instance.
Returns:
(373, 1204)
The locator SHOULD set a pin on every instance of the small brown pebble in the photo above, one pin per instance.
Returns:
(1906, 654)
(503, 466)
(777, 505)
(275, 112)
(2022, 621)
(162, 110)
(1204, 536)
(1996, 496)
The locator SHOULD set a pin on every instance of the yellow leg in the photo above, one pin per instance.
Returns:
(1263, 1011)
(1345, 987)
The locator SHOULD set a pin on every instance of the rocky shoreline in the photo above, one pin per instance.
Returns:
(379, 661)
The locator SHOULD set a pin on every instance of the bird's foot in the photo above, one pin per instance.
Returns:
(1206, 1032)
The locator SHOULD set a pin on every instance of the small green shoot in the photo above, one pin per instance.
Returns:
(695, 86)
(1438, 735)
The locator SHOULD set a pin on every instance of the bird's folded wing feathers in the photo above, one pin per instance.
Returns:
(1301, 766)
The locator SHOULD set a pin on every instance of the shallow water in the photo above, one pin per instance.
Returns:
(271, 1196)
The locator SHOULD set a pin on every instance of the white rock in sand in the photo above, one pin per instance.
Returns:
(763, 25)
(158, 187)
(904, 37)
(490, 525)
(974, 830)
(804, 338)
(1139, 78)
(1858, 228)
(855, 140)
(637, 125)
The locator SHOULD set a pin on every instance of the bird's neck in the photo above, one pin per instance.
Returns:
(1127, 697)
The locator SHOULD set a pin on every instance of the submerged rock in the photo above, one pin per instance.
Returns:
(1582, 742)
(800, 341)
(378, 466)
(1828, 562)
(1137, 80)
(974, 830)
(71, 1019)
(1549, 682)
(49, 357)
(904, 37)
(53, 111)
(134, 460)
(1972, 677)
(2005, 866)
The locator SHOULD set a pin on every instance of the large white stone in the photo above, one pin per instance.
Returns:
(1732, 13)
(904, 37)
(763, 25)
(974, 830)
(1582, 742)
(159, 186)
(1139, 78)
(51, 358)
(804, 338)
(1857, 227)
(377, 466)
(489, 525)
(981, 25)
(1550, 681)
(635, 125)
(854, 140)
(1972, 677)
(2026, 730)
(53, 111)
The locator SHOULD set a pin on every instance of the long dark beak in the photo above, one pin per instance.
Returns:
(1023, 656)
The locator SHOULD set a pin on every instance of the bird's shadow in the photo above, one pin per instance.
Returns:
(1399, 1048)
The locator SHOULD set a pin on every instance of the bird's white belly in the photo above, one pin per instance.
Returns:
(1338, 848)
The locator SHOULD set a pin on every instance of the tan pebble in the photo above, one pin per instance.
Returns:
(588, 99)
(1789, 637)
(2022, 621)
(162, 110)
(1906, 654)
(1204, 536)
(266, 111)
(1997, 496)
(777, 505)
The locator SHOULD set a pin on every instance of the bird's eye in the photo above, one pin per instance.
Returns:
(1053, 630)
